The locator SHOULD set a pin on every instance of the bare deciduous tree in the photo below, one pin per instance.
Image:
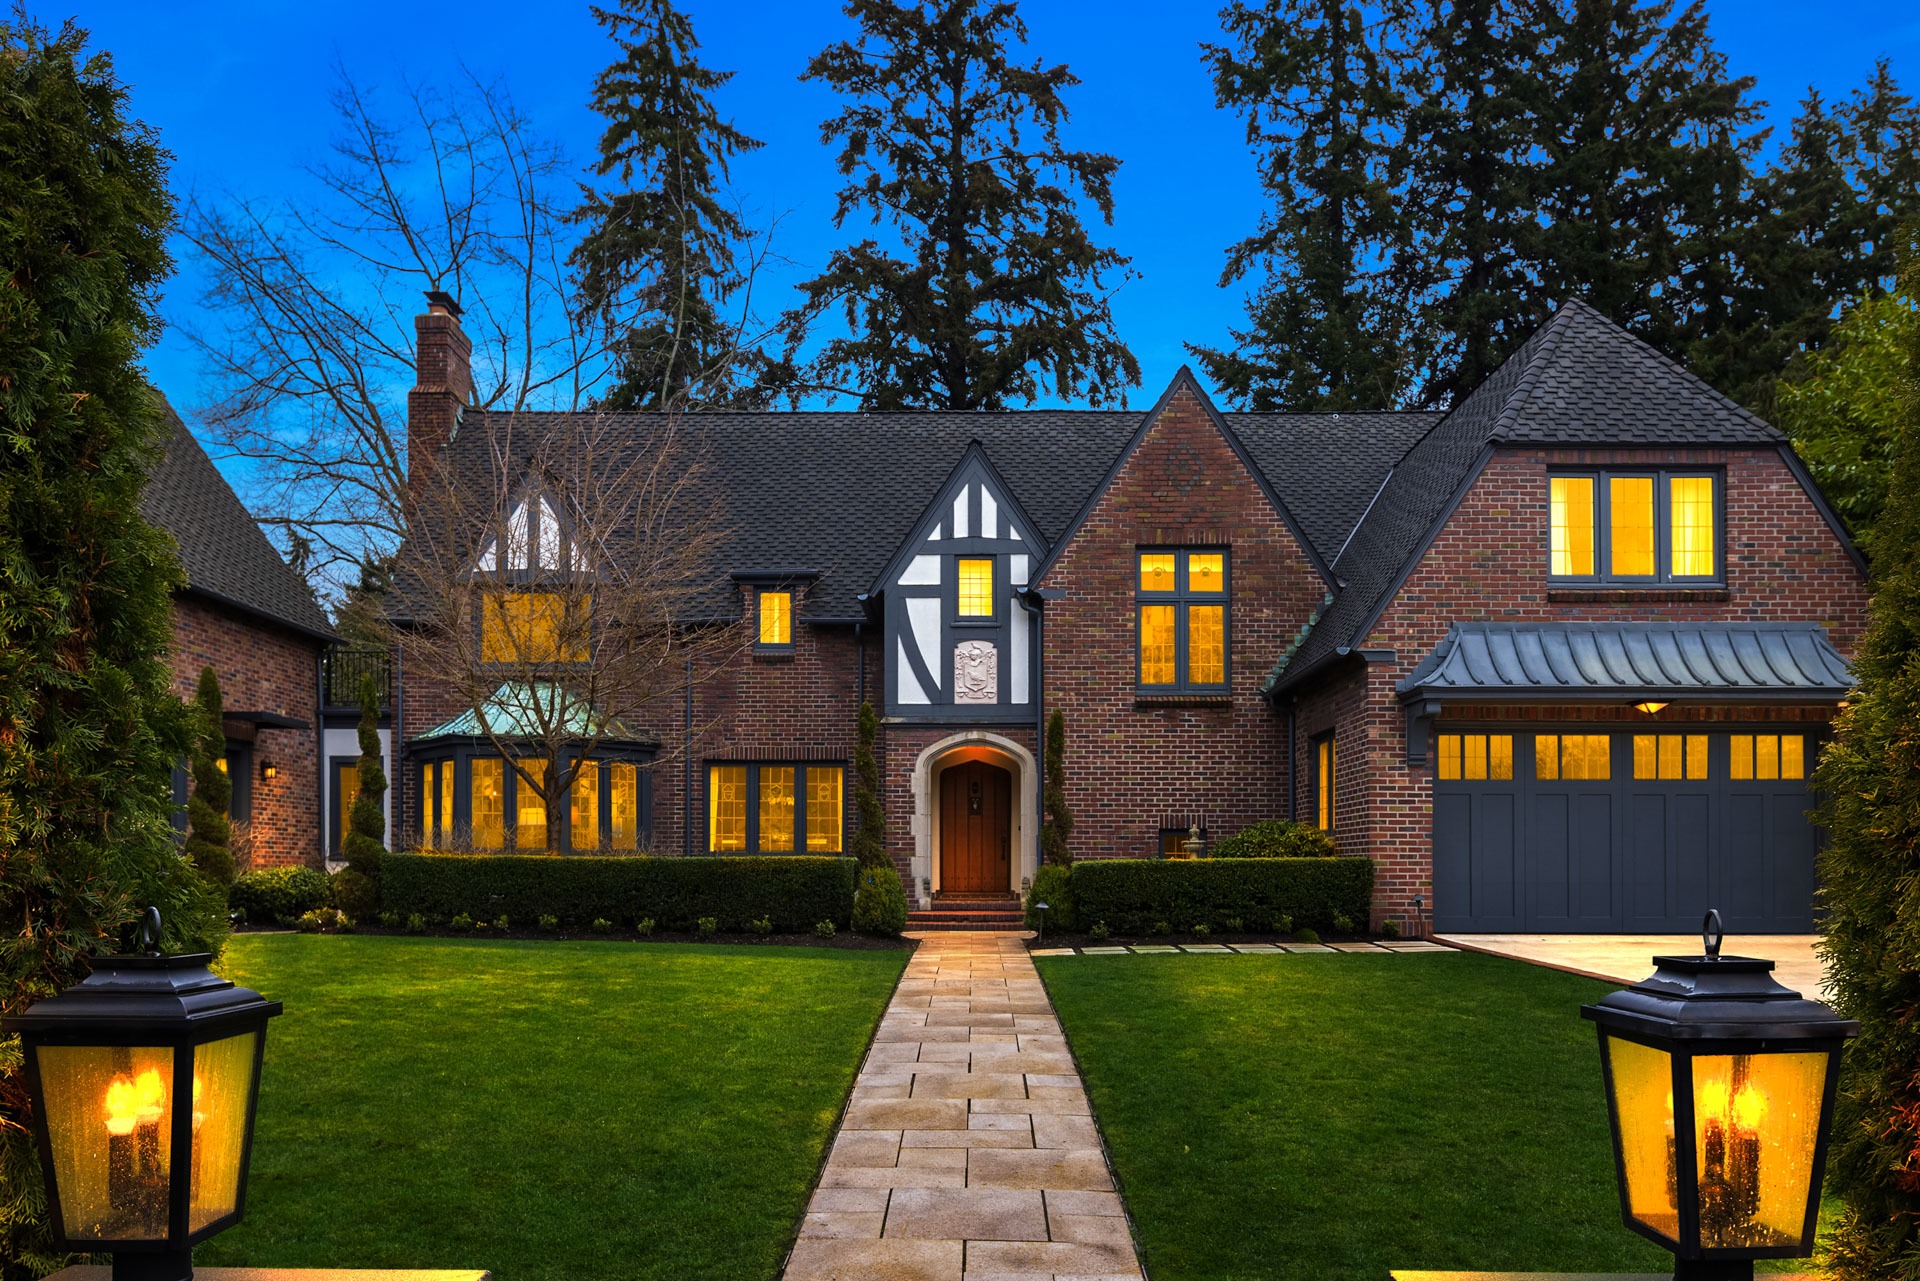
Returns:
(560, 583)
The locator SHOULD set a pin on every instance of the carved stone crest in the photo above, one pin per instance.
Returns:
(976, 672)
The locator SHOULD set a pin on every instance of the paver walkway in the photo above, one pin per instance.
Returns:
(1628, 958)
(968, 1152)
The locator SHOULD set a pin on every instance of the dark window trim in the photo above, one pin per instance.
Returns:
(1662, 527)
(996, 612)
(336, 827)
(239, 757)
(459, 756)
(753, 769)
(1181, 598)
(773, 649)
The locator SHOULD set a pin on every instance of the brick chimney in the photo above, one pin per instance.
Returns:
(442, 382)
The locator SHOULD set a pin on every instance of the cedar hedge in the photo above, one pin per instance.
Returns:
(1133, 896)
(795, 892)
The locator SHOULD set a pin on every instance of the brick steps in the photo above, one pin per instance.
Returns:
(969, 914)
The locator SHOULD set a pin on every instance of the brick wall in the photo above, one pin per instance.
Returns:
(1784, 564)
(262, 668)
(1134, 764)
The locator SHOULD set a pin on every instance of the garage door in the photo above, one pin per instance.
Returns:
(1548, 832)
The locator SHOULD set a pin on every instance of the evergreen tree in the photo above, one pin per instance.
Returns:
(996, 292)
(209, 831)
(658, 260)
(1317, 82)
(89, 728)
(1057, 827)
(356, 887)
(1870, 887)
(870, 824)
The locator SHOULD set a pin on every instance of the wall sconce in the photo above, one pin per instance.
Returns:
(268, 770)
(1650, 706)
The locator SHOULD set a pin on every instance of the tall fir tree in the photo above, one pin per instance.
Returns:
(996, 293)
(1318, 83)
(89, 727)
(1870, 887)
(209, 830)
(658, 262)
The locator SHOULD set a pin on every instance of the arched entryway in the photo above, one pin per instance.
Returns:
(975, 820)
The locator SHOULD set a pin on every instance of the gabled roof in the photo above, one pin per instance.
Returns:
(1620, 661)
(226, 557)
(973, 460)
(1580, 380)
(840, 492)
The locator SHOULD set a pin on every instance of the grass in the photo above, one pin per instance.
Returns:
(546, 1110)
(1330, 1117)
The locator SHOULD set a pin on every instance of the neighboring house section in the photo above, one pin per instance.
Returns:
(256, 623)
(1595, 554)
(1255, 616)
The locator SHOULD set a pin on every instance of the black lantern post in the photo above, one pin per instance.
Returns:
(143, 1078)
(1720, 1087)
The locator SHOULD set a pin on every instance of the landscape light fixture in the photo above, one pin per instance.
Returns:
(1720, 1086)
(1650, 706)
(143, 1079)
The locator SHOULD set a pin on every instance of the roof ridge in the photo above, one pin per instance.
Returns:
(1548, 338)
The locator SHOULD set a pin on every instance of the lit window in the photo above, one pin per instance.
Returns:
(1648, 527)
(625, 798)
(530, 806)
(776, 808)
(446, 803)
(1767, 756)
(535, 627)
(776, 618)
(586, 807)
(1476, 756)
(1181, 611)
(976, 588)
(346, 787)
(1669, 757)
(489, 788)
(426, 805)
(1571, 506)
(825, 788)
(1173, 841)
(1580, 757)
(1325, 762)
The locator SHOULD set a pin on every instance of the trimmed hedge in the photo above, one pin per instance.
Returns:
(1132, 896)
(278, 894)
(795, 892)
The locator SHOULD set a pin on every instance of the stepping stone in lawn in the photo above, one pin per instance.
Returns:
(1308, 947)
(1103, 951)
(1251, 948)
(1206, 947)
(1051, 951)
(1145, 948)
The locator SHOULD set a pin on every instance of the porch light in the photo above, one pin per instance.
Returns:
(1720, 1087)
(142, 1079)
(1650, 707)
(269, 770)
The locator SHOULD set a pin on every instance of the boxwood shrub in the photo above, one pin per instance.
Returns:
(1131, 896)
(278, 894)
(795, 891)
(1274, 838)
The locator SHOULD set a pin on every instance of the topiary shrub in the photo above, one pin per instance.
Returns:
(880, 904)
(1053, 885)
(363, 846)
(1275, 838)
(278, 894)
(209, 831)
(869, 847)
(354, 893)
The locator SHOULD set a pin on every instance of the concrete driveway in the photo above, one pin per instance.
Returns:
(1628, 958)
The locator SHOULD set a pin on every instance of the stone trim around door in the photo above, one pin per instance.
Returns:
(973, 744)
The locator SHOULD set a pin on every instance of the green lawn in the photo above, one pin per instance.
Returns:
(1328, 1117)
(547, 1110)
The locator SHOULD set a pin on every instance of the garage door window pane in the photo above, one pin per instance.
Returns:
(1573, 756)
(1696, 756)
(1645, 756)
(1792, 756)
(1476, 756)
(1500, 756)
(1546, 756)
(1450, 756)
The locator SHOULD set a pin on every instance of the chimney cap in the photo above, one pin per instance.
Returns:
(439, 303)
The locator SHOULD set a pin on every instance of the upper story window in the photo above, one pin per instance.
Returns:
(1635, 526)
(531, 627)
(1181, 604)
(975, 578)
(776, 617)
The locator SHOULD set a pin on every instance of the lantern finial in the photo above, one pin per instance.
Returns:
(148, 940)
(1712, 934)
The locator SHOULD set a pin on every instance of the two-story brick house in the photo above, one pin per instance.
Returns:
(1559, 658)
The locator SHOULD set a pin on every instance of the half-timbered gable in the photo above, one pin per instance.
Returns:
(959, 627)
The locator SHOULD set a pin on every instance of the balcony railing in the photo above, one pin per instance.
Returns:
(346, 668)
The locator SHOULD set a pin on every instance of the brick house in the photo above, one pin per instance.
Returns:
(1560, 658)
(255, 621)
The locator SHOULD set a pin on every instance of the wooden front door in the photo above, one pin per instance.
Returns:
(976, 829)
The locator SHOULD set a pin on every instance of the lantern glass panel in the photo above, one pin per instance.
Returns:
(109, 1111)
(1756, 1122)
(1643, 1102)
(222, 1089)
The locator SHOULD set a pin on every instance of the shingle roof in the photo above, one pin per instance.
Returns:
(225, 555)
(1618, 660)
(1579, 380)
(840, 491)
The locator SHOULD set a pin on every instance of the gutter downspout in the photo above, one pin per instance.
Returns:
(320, 751)
(686, 771)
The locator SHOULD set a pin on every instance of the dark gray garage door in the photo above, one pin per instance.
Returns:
(1542, 831)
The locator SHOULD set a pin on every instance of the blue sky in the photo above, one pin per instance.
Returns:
(239, 92)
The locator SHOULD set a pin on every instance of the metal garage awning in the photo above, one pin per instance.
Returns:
(1613, 662)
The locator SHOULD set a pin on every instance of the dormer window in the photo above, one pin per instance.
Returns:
(776, 618)
(1635, 526)
(976, 588)
(529, 628)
